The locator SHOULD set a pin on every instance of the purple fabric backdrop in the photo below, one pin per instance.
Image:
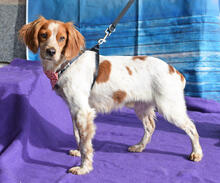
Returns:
(36, 134)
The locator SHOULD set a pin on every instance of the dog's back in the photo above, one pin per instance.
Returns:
(126, 79)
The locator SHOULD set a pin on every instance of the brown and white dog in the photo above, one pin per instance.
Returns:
(143, 82)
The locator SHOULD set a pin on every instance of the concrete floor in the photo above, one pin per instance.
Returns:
(3, 64)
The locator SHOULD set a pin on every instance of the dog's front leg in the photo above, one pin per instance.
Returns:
(75, 152)
(86, 129)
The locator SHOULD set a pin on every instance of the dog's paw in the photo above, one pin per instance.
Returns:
(136, 148)
(195, 156)
(77, 170)
(74, 153)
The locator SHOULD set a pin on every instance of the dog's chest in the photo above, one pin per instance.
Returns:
(101, 99)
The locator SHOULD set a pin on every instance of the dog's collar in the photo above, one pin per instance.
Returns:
(54, 76)
(59, 72)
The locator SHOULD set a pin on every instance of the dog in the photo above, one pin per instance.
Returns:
(144, 83)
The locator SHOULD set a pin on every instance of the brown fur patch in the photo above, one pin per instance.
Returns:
(181, 76)
(62, 33)
(119, 96)
(29, 33)
(75, 41)
(139, 58)
(104, 72)
(129, 70)
(44, 30)
(171, 69)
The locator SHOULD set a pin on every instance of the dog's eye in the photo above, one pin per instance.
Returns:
(43, 35)
(62, 38)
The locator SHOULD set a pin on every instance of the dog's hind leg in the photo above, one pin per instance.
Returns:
(146, 114)
(174, 110)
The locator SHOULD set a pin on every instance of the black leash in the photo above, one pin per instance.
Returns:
(112, 27)
(68, 64)
(108, 32)
(95, 48)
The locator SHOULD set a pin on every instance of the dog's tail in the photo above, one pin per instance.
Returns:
(182, 78)
(180, 75)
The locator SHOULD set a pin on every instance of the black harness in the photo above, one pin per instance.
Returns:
(95, 48)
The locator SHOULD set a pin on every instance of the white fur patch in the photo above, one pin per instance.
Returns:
(52, 41)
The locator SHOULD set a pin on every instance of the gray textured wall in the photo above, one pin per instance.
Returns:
(12, 17)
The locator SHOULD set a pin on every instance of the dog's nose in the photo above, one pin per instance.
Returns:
(51, 51)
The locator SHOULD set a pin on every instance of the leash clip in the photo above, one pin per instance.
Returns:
(103, 40)
(108, 32)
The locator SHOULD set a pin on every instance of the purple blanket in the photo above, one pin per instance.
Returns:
(36, 134)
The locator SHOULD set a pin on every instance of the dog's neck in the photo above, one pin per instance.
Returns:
(51, 69)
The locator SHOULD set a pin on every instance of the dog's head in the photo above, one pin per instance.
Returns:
(56, 40)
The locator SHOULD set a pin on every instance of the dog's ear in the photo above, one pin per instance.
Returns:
(29, 33)
(75, 42)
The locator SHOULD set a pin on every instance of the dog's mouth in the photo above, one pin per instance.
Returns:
(47, 59)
